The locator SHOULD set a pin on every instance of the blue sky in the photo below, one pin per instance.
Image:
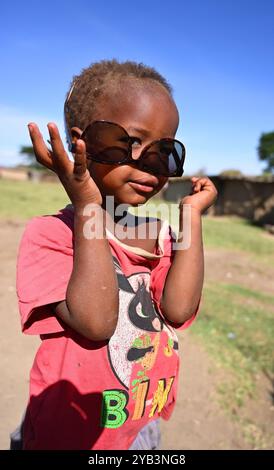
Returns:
(218, 56)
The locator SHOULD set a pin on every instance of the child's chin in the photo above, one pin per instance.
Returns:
(138, 200)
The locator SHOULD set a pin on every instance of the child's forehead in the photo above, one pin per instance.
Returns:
(140, 106)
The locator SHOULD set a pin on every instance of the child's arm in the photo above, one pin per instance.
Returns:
(184, 281)
(91, 304)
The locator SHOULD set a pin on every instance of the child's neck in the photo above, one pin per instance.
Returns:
(132, 230)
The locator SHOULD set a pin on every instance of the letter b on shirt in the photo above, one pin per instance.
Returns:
(114, 412)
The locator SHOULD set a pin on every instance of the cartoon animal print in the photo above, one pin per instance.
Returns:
(137, 335)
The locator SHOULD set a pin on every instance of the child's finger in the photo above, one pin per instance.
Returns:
(197, 187)
(205, 182)
(80, 160)
(201, 184)
(59, 154)
(42, 153)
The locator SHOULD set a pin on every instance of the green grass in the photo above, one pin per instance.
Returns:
(25, 199)
(237, 234)
(244, 292)
(239, 336)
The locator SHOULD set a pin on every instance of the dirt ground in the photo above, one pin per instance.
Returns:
(198, 421)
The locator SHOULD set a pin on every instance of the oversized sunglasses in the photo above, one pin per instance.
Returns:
(108, 142)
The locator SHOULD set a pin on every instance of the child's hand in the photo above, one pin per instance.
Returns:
(203, 194)
(75, 177)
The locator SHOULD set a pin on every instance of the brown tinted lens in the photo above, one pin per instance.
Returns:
(106, 141)
(164, 157)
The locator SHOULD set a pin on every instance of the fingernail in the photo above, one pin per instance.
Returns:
(30, 127)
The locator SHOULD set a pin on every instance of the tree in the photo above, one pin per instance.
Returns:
(266, 150)
(231, 173)
(29, 153)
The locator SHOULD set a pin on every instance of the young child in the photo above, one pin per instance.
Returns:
(107, 307)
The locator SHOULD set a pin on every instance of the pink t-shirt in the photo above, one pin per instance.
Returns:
(86, 394)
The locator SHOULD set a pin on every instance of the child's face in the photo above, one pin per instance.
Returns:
(147, 113)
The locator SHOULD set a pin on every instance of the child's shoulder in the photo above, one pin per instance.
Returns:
(50, 225)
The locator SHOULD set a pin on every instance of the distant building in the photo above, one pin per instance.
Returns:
(13, 174)
(248, 197)
(24, 173)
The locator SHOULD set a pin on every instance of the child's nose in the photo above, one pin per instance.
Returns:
(136, 152)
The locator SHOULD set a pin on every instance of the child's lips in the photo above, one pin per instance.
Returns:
(141, 187)
(144, 184)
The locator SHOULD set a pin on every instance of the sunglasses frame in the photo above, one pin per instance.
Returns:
(137, 162)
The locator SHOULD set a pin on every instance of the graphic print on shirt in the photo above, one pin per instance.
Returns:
(141, 336)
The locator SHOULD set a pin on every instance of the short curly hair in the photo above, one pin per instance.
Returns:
(98, 80)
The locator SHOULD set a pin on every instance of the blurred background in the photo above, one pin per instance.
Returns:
(219, 59)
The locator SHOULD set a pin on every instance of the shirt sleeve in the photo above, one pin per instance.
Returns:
(44, 266)
(159, 274)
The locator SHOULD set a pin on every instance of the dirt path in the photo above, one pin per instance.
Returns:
(197, 423)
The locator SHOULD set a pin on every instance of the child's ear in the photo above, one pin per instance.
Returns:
(75, 134)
